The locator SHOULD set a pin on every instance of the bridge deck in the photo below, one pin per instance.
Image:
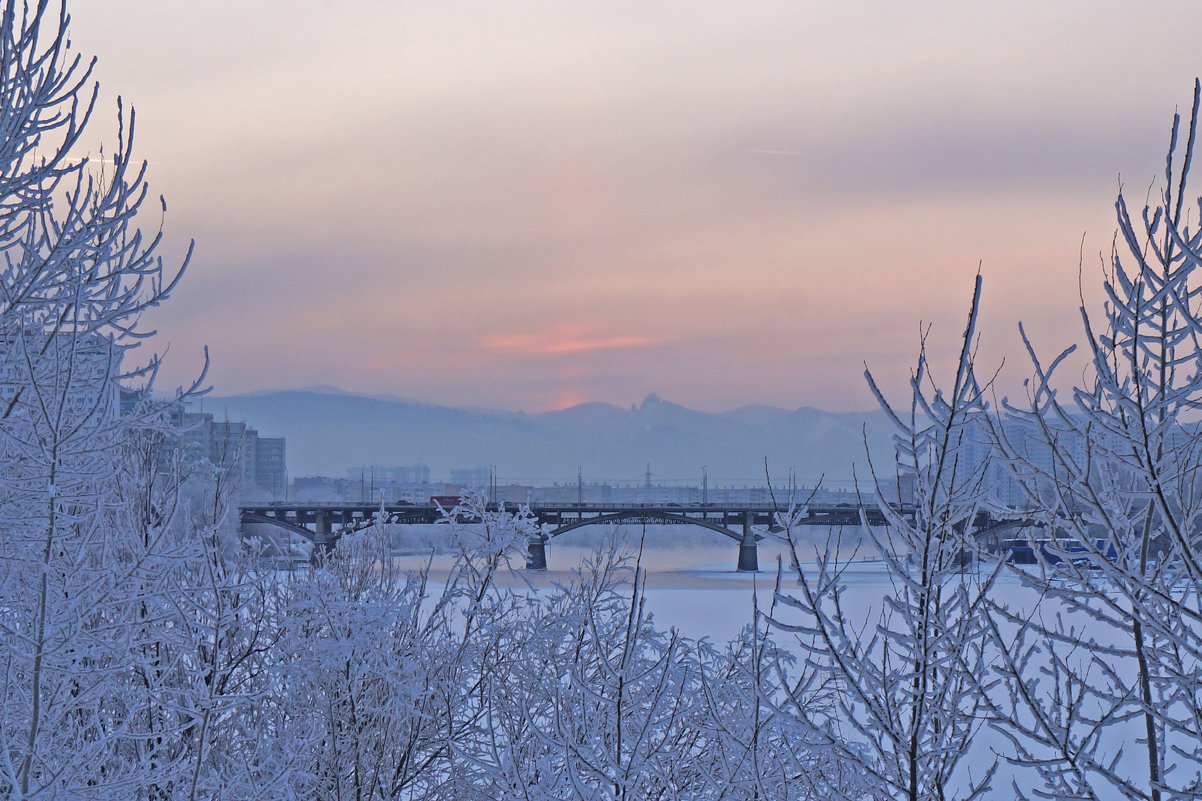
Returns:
(330, 521)
(729, 516)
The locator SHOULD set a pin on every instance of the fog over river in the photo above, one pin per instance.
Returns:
(692, 583)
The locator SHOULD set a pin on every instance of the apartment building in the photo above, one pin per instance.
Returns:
(257, 463)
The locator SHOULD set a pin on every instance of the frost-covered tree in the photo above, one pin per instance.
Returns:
(1112, 468)
(88, 539)
(905, 706)
(596, 702)
(382, 672)
(1091, 671)
(761, 704)
(615, 716)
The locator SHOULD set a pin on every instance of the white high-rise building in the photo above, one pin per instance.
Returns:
(75, 374)
(257, 463)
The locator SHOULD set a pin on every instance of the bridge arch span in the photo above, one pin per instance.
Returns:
(647, 516)
(278, 522)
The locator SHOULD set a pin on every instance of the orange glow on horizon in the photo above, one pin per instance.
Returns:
(554, 343)
(566, 399)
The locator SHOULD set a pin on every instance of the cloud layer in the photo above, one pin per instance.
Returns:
(525, 204)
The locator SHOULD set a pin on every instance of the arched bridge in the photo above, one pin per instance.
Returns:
(323, 523)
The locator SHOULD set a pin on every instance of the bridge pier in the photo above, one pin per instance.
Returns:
(323, 541)
(536, 553)
(749, 555)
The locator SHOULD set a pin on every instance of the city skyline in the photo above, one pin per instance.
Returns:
(533, 205)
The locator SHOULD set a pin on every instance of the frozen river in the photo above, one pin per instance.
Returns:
(692, 584)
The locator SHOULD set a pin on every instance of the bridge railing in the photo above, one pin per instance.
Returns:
(749, 507)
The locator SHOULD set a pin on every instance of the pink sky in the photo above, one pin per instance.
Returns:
(530, 204)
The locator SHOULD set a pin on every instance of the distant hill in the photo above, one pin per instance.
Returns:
(330, 431)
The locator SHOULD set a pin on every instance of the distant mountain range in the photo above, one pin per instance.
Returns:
(330, 431)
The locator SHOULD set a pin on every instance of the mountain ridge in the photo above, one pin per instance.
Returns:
(330, 431)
